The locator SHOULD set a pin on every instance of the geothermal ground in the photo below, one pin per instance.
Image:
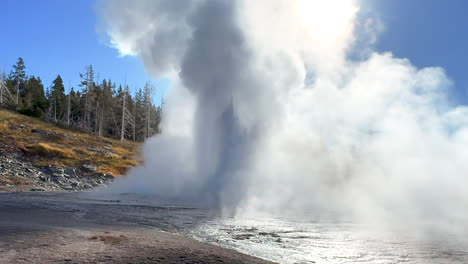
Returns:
(70, 228)
(66, 228)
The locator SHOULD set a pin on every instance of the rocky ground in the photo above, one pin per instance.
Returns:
(18, 174)
(40, 156)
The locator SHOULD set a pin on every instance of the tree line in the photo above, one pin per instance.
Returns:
(98, 107)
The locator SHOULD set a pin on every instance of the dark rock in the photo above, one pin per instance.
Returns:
(99, 175)
(70, 172)
(37, 190)
(16, 155)
(57, 175)
(243, 236)
(44, 178)
(54, 169)
(89, 168)
(40, 132)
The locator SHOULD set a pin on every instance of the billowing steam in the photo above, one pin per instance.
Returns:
(267, 112)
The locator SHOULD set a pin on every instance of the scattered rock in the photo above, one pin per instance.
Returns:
(16, 155)
(16, 127)
(37, 190)
(54, 169)
(110, 154)
(40, 132)
(69, 136)
(89, 168)
(44, 178)
(48, 134)
(70, 172)
(107, 147)
(16, 170)
(243, 236)
(94, 149)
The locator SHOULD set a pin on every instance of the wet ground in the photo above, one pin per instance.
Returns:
(84, 228)
(74, 228)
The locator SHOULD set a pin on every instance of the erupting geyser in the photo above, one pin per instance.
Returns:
(267, 112)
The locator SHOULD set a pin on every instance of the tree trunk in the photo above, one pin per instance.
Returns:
(122, 131)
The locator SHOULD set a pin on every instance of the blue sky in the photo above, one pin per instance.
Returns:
(429, 33)
(60, 37)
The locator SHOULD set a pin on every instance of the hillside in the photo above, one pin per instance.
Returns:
(38, 155)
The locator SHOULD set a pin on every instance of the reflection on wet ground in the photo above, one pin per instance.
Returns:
(281, 240)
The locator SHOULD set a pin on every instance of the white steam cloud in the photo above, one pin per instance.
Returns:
(266, 112)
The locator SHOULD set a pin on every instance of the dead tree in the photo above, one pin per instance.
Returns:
(148, 105)
(126, 115)
(68, 104)
(4, 91)
(17, 92)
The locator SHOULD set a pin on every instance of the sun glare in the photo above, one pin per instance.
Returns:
(326, 18)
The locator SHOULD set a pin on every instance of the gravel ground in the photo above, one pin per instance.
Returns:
(18, 174)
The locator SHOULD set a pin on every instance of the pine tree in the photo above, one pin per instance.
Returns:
(126, 114)
(59, 99)
(98, 107)
(68, 118)
(138, 113)
(17, 80)
(106, 101)
(88, 85)
(35, 101)
(148, 130)
(75, 107)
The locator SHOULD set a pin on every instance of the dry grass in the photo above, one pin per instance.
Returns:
(4, 180)
(83, 152)
(4, 127)
(48, 151)
(64, 147)
(15, 180)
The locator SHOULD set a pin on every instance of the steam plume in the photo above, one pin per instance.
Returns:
(266, 111)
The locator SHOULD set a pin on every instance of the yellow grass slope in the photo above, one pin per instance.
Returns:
(47, 144)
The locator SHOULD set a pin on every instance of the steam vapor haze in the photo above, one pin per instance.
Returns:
(267, 112)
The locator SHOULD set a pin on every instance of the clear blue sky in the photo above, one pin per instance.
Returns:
(59, 37)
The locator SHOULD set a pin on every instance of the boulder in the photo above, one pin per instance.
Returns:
(40, 132)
